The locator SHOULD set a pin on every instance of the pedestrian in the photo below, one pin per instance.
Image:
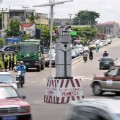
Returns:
(6, 62)
(97, 48)
(9, 61)
(12, 62)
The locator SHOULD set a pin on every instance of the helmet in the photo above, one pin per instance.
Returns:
(21, 62)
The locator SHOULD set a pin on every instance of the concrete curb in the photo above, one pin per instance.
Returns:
(76, 60)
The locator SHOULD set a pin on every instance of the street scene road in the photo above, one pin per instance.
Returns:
(34, 87)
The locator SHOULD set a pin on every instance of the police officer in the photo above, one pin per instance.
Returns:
(10, 61)
(6, 62)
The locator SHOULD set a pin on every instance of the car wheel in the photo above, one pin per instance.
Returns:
(100, 67)
(97, 90)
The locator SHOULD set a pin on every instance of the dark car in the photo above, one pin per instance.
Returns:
(8, 49)
(110, 82)
(106, 62)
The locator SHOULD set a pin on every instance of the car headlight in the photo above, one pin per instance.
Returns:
(25, 109)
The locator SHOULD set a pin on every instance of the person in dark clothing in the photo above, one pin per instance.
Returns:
(10, 61)
(6, 62)
(105, 54)
(90, 55)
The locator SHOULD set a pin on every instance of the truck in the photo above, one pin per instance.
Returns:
(31, 53)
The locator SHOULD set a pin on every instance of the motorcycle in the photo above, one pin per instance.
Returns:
(91, 57)
(85, 59)
(20, 79)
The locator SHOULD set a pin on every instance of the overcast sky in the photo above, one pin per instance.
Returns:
(109, 9)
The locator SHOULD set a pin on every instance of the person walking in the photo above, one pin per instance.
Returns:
(6, 62)
(10, 61)
(97, 48)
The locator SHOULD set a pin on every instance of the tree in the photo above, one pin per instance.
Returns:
(86, 17)
(14, 28)
(32, 17)
(86, 32)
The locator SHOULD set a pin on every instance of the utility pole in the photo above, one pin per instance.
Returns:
(2, 11)
(25, 8)
(70, 18)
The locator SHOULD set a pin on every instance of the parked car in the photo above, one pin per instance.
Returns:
(12, 105)
(110, 82)
(6, 77)
(8, 49)
(77, 51)
(94, 109)
(48, 57)
(80, 48)
(73, 54)
(106, 62)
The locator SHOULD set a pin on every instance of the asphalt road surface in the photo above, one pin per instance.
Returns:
(36, 82)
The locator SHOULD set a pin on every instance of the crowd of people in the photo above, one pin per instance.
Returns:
(9, 61)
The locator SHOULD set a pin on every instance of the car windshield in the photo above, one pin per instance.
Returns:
(29, 47)
(8, 92)
(6, 78)
(106, 59)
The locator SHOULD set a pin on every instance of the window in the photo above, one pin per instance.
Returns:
(112, 72)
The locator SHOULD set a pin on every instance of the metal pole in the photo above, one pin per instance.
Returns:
(51, 29)
(25, 11)
(70, 18)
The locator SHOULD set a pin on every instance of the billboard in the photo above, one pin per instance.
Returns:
(29, 28)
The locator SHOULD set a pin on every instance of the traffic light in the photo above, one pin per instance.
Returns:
(37, 33)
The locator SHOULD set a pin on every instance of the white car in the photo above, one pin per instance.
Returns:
(100, 44)
(7, 77)
(94, 109)
(105, 42)
(109, 41)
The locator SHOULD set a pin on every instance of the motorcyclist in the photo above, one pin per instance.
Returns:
(105, 54)
(85, 55)
(22, 69)
(90, 55)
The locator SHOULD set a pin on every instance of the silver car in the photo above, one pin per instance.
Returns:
(110, 82)
(6, 77)
(94, 109)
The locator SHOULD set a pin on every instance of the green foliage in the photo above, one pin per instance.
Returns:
(86, 17)
(86, 32)
(14, 28)
(1, 63)
(45, 33)
(26, 36)
(2, 41)
(32, 17)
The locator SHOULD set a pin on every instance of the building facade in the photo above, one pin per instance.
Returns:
(108, 28)
(23, 17)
